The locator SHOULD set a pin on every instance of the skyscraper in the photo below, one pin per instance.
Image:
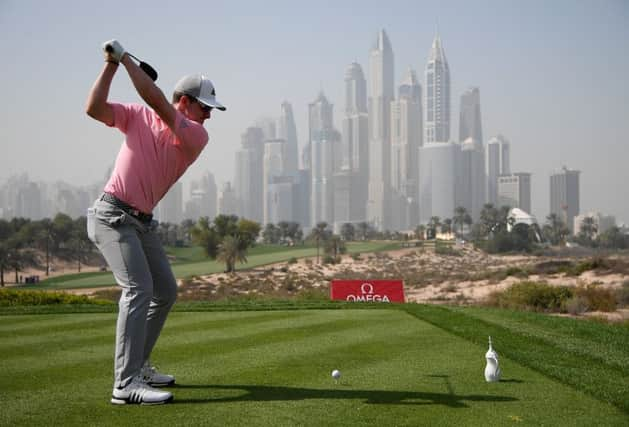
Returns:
(497, 163)
(564, 195)
(406, 138)
(470, 124)
(406, 135)
(514, 190)
(355, 163)
(437, 109)
(324, 148)
(381, 77)
(248, 176)
(355, 121)
(287, 131)
(471, 181)
(273, 167)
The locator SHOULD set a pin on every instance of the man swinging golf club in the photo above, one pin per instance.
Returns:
(161, 142)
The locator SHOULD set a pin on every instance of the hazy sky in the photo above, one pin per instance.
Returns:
(553, 76)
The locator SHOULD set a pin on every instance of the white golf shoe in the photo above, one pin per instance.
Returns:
(140, 393)
(153, 378)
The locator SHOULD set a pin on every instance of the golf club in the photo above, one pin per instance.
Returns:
(150, 71)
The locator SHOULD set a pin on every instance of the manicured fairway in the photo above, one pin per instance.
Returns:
(272, 368)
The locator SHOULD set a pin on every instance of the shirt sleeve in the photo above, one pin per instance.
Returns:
(123, 114)
(190, 135)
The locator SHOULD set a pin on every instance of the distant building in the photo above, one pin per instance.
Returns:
(497, 163)
(470, 124)
(170, 208)
(248, 175)
(355, 151)
(227, 200)
(273, 167)
(471, 180)
(437, 108)
(438, 162)
(564, 195)
(602, 222)
(514, 191)
(381, 93)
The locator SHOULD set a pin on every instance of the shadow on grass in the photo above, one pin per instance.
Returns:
(259, 393)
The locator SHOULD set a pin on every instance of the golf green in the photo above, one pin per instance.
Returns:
(272, 368)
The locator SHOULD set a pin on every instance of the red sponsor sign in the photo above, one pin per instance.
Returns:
(367, 290)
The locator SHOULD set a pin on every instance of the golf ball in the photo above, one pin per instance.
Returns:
(336, 374)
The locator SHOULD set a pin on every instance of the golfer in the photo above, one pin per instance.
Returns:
(161, 142)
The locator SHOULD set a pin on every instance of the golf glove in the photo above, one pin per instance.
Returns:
(113, 50)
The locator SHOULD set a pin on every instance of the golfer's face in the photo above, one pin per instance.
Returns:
(198, 112)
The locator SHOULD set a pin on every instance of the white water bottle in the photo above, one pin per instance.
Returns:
(492, 370)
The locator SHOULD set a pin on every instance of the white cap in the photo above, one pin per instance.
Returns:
(201, 88)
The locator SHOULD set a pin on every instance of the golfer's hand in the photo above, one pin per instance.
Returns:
(113, 51)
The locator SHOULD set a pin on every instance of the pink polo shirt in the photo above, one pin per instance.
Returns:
(152, 158)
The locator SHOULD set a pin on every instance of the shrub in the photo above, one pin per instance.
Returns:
(576, 305)
(14, 297)
(528, 295)
(598, 299)
(329, 259)
(292, 260)
(517, 272)
(622, 294)
(356, 256)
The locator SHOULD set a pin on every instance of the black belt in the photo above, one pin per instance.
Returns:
(111, 199)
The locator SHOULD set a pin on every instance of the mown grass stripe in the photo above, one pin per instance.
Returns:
(604, 382)
(606, 343)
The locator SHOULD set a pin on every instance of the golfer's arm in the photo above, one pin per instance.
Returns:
(149, 92)
(97, 106)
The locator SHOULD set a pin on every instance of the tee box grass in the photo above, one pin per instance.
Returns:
(273, 368)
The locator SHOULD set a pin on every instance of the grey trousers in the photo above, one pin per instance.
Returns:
(137, 259)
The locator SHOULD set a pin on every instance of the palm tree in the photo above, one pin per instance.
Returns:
(230, 251)
(461, 218)
(446, 226)
(555, 230)
(588, 229)
(420, 230)
(319, 233)
(433, 224)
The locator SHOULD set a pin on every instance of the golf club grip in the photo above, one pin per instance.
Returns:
(150, 71)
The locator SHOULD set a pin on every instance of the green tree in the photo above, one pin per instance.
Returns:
(318, 234)
(588, 231)
(613, 239)
(205, 235)
(363, 230)
(461, 218)
(271, 234)
(348, 231)
(420, 232)
(446, 226)
(231, 250)
(433, 225)
(554, 230)
(248, 232)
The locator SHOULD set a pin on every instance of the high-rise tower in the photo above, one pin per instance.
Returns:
(437, 108)
(381, 77)
(287, 131)
(351, 183)
(564, 195)
(470, 125)
(496, 163)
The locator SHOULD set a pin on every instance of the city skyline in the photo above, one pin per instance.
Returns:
(578, 105)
